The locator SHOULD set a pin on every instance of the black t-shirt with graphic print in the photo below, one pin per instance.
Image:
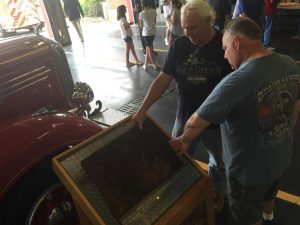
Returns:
(197, 70)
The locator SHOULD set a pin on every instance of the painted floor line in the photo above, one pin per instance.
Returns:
(281, 194)
(155, 49)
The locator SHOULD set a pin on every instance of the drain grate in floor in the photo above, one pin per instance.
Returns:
(131, 107)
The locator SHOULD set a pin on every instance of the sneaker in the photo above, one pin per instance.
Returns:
(270, 48)
(145, 67)
(166, 42)
(271, 222)
(296, 37)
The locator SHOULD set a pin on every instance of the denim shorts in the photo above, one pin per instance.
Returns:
(246, 203)
(149, 40)
(127, 39)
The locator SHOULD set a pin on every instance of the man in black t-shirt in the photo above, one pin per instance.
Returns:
(196, 62)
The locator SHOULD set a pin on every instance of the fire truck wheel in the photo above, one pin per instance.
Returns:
(53, 207)
(38, 198)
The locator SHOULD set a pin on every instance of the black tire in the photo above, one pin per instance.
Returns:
(19, 201)
(16, 206)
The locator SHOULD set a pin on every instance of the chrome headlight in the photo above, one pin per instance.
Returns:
(82, 94)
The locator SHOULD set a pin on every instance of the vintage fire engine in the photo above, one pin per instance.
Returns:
(18, 14)
(39, 118)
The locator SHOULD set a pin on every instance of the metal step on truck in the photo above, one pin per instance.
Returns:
(18, 14)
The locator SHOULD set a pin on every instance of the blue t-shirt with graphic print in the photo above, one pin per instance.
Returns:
(253, 105)
(197, 70)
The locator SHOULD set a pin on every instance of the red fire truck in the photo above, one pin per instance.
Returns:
(42, 114)
(18, 14)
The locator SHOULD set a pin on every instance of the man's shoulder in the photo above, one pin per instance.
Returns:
(290, 62)
(182, 41)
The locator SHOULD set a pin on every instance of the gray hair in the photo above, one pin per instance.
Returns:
(244, 26)
(201, 7)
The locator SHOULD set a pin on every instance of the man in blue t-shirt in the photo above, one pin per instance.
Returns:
(257, 106)
(196, 62)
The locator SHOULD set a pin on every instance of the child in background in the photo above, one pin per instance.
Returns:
(176, 29)
(127, 36)
(167, 9)
(147, 20)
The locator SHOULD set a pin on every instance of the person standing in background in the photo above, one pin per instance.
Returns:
(250, 8)
(222, 9)
(147, 21)
(176, 28)
(127, 36)
(270, 10)
(167, 10)
(138, 8)
(73, 11)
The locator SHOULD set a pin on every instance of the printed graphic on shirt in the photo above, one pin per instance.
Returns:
(275, 102)
(197, 70)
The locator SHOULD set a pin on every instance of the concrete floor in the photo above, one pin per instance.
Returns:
(100, 61)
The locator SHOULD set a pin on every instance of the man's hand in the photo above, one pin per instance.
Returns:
(192, 129)
(178, 145)
(139, 118)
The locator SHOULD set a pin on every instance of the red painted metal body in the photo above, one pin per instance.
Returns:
(34, 73)
(30, 139)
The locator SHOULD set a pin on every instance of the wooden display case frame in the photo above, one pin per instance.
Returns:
(200, 193)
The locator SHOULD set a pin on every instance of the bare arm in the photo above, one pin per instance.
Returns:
(156, 90)
(193, 127)
(295, 114)
(127, 25)
(141, 24)
(173, 20)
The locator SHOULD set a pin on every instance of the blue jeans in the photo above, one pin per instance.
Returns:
(210, 141)
(268, 23)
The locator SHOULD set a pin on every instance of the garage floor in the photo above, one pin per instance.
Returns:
(100, 62)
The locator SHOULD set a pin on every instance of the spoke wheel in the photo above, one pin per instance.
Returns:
(53, 207)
